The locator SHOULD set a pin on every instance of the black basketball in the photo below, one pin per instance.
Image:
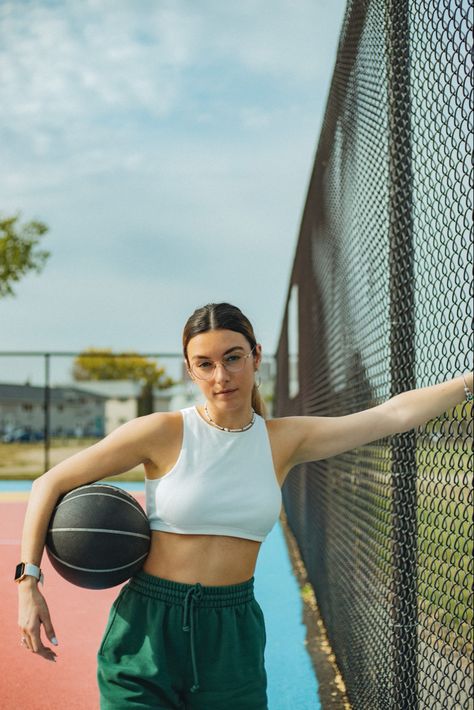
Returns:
(98, 536)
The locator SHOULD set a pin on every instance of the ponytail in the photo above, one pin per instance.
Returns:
(258, 403)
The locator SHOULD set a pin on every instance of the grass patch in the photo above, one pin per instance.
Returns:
(25, 460)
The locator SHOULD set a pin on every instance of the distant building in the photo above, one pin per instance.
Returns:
(73, 412)
(83, 409)
(122, 400)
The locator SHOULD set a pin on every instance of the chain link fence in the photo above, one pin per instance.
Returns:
(380, 301)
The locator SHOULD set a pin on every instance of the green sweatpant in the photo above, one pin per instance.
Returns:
(188, 646)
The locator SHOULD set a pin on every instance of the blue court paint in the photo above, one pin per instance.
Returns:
(292, 684)
(26, 485)
(15, 486)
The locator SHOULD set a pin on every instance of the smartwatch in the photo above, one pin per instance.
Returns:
(26, 569)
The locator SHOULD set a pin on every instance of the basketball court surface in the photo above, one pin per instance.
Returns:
(79, 617)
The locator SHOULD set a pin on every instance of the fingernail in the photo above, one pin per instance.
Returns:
(54, 640)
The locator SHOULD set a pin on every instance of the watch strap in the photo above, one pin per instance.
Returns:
(25, 569)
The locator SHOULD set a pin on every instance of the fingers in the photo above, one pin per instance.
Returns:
(41, 650)
(48, 627)
(31, 641)
(25, 643)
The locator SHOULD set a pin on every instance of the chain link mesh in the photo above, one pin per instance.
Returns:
(380, 301)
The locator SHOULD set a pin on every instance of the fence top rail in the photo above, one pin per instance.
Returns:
(64, 353)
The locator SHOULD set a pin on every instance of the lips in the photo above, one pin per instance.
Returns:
(226, 392)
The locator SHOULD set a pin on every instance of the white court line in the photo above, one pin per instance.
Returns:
(99, 571)
(98, 530)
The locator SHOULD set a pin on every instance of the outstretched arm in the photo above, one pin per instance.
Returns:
(314, 438)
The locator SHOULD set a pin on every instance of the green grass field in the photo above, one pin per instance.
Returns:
(25, 460)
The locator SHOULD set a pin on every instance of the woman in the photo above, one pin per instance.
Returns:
(186, 631)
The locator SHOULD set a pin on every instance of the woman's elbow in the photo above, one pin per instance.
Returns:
(54, 481)
(400, 419)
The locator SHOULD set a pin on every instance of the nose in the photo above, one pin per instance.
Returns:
(220, 373)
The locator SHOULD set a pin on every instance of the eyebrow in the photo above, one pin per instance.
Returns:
(206, 357)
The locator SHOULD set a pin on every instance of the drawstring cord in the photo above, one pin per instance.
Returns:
(193, 594)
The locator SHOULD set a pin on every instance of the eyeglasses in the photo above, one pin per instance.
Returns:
(234, 362)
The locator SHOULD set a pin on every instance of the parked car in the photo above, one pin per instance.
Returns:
(20, 434)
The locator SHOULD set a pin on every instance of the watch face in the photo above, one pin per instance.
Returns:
(19, 570)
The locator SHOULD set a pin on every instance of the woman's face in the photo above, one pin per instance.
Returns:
(224, 390)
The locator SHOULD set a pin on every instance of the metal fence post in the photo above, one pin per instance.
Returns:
(402, 357)
(47, 409)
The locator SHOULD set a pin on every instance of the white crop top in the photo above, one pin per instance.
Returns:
(223, 483)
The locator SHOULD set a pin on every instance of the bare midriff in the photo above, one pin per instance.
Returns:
(212, 560)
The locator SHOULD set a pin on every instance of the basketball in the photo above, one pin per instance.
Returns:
(98, 536)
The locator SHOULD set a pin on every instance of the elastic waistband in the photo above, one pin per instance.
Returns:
(175, 592)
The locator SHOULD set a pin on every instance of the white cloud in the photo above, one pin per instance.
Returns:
(64, 64)
(125, 124)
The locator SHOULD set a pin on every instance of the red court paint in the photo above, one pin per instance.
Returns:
(79, 617)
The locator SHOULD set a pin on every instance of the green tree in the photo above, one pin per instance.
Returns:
(103, 364)
(19, 252)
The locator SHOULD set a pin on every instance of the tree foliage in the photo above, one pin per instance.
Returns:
(103, 364)
(19, 252)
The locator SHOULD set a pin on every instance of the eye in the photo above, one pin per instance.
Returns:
(233, 358)
(205, 365)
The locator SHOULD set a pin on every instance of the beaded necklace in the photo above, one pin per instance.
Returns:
(224, 428)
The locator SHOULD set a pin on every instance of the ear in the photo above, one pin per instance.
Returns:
(258, 355)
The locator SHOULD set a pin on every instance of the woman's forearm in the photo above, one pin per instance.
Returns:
(416, 407)
(41, 502)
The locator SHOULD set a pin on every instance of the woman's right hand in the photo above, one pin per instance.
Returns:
(32, 612)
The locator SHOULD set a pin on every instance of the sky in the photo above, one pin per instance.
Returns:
(168, 146)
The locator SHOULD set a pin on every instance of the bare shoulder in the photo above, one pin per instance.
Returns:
(159, 421)
(283, 432)
(148, 435)
(159, 427)
(280, 426)
(163, 433)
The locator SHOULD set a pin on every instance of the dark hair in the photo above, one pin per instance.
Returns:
(222, 316)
